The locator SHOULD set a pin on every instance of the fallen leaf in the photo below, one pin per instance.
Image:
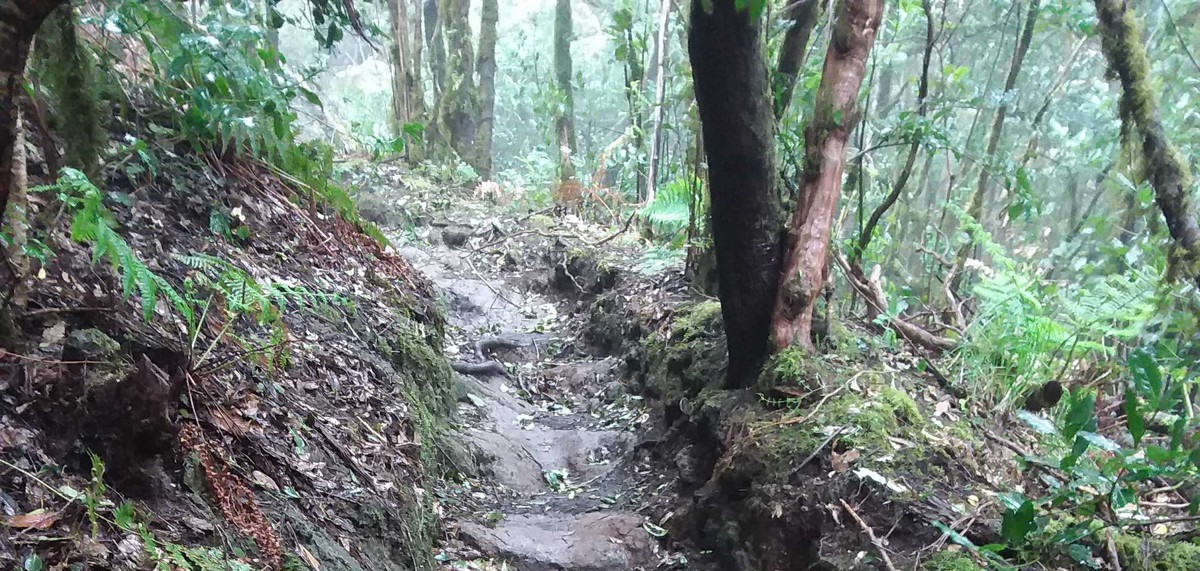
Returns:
(54, 333)
(842, 462)
(265, 481)
(36, 519)
(941, 408)
(308, 558)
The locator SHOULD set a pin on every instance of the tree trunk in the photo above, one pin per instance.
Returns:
(914, 146)
(459, 106)
(975, 209)
(794, 51)
(1121, 41)
(64, 66)
(632, 53)
(738, 127)
(660, 88)
(806, 264)
(486, 66)
(401, 78)
(19, 20)
(434, 38)
(564, 123)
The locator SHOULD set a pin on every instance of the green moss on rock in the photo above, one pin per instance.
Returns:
(1144, 553)
(951, 561)
(690, 357)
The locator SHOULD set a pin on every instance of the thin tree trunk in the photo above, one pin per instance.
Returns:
(485, 65)
(868, 230)
(434, 39)
(747, 221)
(419, 111)
(401, 79)
(1121, 41)
(975, 209)
(564, 123)
(792, 54)
(660, 88)
(806, 264)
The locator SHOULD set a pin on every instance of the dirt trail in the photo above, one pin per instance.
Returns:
(553, 439)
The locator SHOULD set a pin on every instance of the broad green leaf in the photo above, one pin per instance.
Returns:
(1133, 416)
(1080, 413)
(1016, 524)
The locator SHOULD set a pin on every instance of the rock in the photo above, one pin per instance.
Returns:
(89, 345)
(540, 222)
(580, 542)
(455, 237)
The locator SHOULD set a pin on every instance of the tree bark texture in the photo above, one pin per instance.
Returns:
(19, 21)
(793, 52)
(459, 106)
(564, 123)
(1167, 173)
(485, 65)
(738, 126)
(806, 264)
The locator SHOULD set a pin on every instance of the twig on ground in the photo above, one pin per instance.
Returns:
(624, 229)
(488, 285)
(887, 561)
(819, 448)
(1112, 551)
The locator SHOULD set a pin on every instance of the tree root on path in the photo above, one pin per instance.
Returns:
(487, 366)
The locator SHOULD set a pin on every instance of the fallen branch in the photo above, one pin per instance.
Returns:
(887, 561)
(872, 292)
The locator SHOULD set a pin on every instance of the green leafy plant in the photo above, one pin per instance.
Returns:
(93, 224)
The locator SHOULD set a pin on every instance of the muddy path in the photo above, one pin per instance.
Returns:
(552, 434)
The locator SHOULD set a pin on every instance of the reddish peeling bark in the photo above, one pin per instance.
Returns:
(805, 267)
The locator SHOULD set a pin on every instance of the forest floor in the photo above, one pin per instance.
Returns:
(585, 430)
(553, 481)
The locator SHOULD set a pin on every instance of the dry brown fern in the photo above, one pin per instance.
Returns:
(233, 498)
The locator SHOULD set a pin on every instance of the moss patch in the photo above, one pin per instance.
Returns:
(880, 421)
(1144, 553)
(690, 357)
(951, 561)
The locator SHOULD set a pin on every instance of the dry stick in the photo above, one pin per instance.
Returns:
(887, 561)
(1112, 551)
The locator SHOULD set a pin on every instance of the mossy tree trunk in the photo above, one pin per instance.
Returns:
(806, 263)
(631, 50)
(1121, 41)
(66, 69)
(729, 71)
(434, 38)
(485, 65)
(804, 15)
(564, 123)
(459, 105)
(19, 21)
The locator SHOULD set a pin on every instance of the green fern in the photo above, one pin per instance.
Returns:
(93, 224)
(671, 210)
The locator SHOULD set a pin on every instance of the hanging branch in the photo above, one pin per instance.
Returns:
(914, 146)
